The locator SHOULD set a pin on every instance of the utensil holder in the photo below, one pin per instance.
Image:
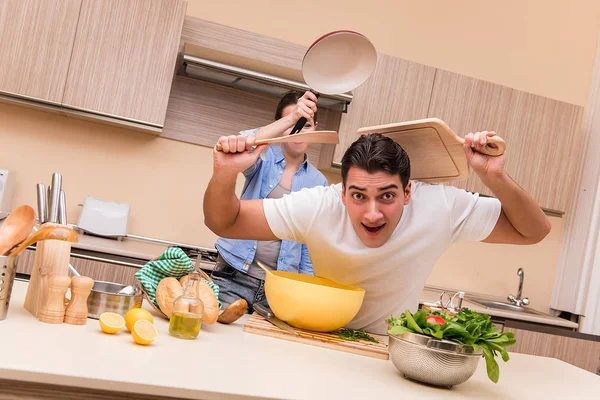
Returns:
(8, 268)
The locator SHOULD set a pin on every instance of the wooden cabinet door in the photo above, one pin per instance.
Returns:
(579, 352)
(36, 40)
(541, 134)
(98, 271)
(398, 90)
(124, 58)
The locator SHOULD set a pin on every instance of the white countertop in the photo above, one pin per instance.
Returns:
(226, 362)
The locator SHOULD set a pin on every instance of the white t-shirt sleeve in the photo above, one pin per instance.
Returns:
(291, 216)
(472, 216)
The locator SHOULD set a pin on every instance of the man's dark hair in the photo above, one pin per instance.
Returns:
(374, 153)
(289, 99)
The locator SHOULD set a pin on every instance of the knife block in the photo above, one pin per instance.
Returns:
(51, 258)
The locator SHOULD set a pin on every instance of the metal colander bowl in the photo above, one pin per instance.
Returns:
(433, 361)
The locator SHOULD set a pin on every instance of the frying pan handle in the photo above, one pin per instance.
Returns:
(497, 148)
(302, 121)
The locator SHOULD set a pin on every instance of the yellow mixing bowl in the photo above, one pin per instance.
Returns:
(310, 302)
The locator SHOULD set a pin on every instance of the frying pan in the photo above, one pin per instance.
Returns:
(337, 62)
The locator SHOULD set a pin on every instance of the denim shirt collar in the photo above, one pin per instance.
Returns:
(280, 157)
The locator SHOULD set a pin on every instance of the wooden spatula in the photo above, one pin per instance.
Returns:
(326, 137)
(436, 152)
(16, 228)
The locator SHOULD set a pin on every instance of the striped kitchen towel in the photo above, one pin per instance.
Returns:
(172, 263)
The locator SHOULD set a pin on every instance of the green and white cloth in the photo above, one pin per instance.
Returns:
(172, 263)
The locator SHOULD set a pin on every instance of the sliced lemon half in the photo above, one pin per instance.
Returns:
(111, 322)
(143, 332)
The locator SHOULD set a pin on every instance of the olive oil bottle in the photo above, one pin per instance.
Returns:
(186, 317)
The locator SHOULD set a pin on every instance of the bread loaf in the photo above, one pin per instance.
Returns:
(209, 300)
(167, 291)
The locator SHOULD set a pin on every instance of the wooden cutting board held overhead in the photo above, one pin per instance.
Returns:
(260, 326)
(436, 152)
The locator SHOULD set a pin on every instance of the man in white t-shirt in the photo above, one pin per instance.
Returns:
(377, 229)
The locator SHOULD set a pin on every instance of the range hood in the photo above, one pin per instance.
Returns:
(252, 75)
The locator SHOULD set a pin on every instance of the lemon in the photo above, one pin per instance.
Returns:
(111, 322)
(136, 314)
(143, 332)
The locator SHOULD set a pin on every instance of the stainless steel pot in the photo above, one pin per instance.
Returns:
(433, 361)
(105, 296)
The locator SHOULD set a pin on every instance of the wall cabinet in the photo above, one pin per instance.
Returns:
(398, 90)
(36, 40)
(106, 59)
(542, 134)
(124, 58)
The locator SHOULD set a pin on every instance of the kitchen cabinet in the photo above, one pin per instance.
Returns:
(124, 58)
(542, 135)
(398, 90)
(36, 40)
(573, 350)
(109, 60)
(97, 270)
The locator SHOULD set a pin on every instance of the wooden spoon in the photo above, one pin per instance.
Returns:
(16, 228)
(327, 137)
(47, 232)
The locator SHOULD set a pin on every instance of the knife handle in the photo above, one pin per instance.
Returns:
(41, 202)
(62, 208)
(54, 198)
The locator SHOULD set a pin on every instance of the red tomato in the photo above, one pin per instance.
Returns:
(434, 319)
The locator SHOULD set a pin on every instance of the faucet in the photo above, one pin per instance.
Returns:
(518, 300)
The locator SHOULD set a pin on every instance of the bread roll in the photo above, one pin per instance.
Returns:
(167, 291)
(211, 305)
(209, 300)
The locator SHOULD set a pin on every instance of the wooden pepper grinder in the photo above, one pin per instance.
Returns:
(53, 311)
(76, 313)
(77, 310)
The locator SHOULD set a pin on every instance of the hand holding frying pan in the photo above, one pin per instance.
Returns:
(337, 62)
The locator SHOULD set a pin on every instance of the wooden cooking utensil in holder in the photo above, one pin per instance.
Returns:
(51, 259)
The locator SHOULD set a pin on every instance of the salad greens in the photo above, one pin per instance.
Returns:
(465, 327)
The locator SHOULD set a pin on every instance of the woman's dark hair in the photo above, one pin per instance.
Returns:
(374, 153)
(289, 99)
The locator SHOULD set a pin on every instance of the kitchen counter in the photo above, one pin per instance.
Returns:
(126, 247)
(431, 295)
(227, 363)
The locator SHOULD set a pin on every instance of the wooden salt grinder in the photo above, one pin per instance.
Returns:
(77, 310)
(53, 311)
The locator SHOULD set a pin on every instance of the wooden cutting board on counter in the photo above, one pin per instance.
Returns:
(260, 326)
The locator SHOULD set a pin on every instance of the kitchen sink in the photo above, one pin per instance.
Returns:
(505, 306)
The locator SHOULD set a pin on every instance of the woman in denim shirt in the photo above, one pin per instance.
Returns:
(279, 170)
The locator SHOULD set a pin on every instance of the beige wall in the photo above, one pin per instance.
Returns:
(162, 180)
(544, 47)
